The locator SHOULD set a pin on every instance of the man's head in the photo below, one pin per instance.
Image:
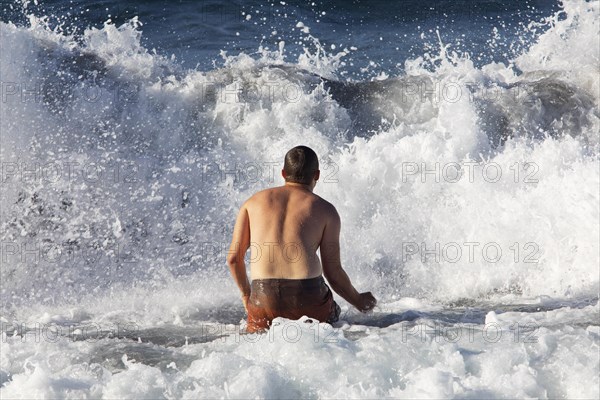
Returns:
(301, 165)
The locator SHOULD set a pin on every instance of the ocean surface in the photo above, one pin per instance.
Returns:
(458, 140)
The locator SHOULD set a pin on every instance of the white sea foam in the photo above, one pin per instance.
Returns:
(146, 249)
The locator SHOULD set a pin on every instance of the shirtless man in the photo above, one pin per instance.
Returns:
(284, 227)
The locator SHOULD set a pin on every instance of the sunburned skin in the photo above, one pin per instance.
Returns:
(284, 227)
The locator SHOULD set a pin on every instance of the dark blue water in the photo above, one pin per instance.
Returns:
(384, 33)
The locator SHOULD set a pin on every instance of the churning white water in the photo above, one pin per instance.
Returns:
(469, 199)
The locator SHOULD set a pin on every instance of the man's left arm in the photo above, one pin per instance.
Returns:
(240, 243)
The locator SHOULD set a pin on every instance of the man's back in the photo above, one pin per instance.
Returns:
(286, 228)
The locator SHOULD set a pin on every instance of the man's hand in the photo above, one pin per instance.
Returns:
(366, 302)
(332, 267)
(245, 299)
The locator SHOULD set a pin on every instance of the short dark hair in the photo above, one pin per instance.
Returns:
(300, 164)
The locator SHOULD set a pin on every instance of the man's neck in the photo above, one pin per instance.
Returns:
(299, 185)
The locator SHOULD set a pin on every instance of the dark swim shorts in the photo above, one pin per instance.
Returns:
(290, 298)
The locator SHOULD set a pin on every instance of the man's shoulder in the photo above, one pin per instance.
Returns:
(325, 205)
(260, 196)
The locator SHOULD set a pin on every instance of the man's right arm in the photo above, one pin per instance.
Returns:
(240, 243)
(332, 267)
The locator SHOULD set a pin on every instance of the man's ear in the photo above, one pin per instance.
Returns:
(317, 175)
(283, 173)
